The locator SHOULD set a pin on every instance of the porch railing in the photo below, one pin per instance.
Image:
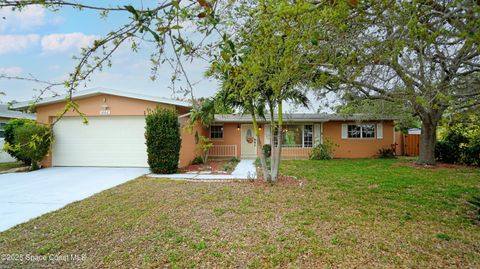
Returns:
(295, 152)
(223, 151)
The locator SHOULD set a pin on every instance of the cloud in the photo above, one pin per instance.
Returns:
(16, 43)
(11, 71)
(27, 19)
(65, 42)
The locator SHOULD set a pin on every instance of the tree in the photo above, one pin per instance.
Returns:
(31, 142)
(161, 24)
(423, 55)
(205, 109)
(264, 67)
(378, 109)
(10, 138)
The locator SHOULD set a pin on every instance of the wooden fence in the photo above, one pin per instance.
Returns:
(411, 144)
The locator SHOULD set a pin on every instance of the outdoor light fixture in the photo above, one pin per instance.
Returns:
(238, 127)
(260, 127)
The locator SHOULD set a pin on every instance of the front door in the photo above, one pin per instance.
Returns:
(249, 143)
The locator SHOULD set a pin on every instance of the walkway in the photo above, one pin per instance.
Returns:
(245, 170)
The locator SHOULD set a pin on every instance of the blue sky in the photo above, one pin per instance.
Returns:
(41, 43)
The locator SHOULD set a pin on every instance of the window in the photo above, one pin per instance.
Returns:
(295, 136)
(2, 129)
(216, 131)
(308, 136)
(361, 131)
(368, 131)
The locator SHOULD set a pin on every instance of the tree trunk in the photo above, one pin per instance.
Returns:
(428, 139)
(266, 174)
(276, 158)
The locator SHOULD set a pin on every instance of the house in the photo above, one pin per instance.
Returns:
(6, 115)
(415, 131)
(114, 135)
(354, 136)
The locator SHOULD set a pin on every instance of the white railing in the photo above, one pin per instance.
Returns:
(223, 151)
(295, 152)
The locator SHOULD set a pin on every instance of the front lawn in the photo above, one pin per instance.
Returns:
(347, 213)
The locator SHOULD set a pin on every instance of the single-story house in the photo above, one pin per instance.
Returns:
(6, 115)
(114, 135)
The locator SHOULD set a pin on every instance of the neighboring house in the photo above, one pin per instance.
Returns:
(415, 131)
(5, 116)
(114, 135)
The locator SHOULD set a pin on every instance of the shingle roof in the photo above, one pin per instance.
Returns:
(303, 117)
(11, 114)
(98, 91)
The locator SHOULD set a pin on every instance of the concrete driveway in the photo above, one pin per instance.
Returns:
(24, 196)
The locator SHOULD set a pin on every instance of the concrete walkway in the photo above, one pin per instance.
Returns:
(245, 170)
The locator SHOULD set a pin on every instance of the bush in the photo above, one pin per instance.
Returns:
(31, 142)
(163, 140)
(323, 151)
(457, 148)
(9, 137)
(267, 150)
(197, 160)
(204, 146)
(386, 153)
(234, 160)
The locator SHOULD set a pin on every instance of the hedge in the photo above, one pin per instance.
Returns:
(163, 140)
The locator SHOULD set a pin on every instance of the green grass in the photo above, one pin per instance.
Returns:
(348, 213)
(8, 166)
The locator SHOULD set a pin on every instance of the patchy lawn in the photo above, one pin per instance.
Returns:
(8, 166)
(347, 213)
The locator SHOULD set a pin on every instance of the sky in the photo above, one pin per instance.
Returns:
(40, 43)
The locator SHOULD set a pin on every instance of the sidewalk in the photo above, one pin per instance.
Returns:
(245, 170)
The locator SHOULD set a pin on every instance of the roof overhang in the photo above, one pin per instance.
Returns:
(95, 92)
(302, 117)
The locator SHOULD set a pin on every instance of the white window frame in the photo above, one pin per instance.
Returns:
(223, 131)
(361, 130)
(302, 125)
(303, 135)
(3, 129)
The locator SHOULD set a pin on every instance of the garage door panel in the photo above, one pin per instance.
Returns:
(105, 141)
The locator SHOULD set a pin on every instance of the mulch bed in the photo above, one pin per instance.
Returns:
(216, 167)
(283, 180)
(440, 166)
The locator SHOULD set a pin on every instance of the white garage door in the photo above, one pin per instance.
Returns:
(105, 141)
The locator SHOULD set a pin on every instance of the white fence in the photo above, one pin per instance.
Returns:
(223, 151)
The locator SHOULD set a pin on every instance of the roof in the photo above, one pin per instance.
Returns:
(99, 91)
(11, 114)
(303, 117)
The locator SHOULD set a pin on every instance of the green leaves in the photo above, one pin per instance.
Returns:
(132, 10)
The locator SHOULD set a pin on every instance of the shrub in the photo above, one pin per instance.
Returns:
(234, 160)
(163, 140)
(31, 142)
(386, 153)
(9, 137)
(258, 162)
(267, 150)
(197, 160)
(457, 148)
(204, 146)
(323, 151)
